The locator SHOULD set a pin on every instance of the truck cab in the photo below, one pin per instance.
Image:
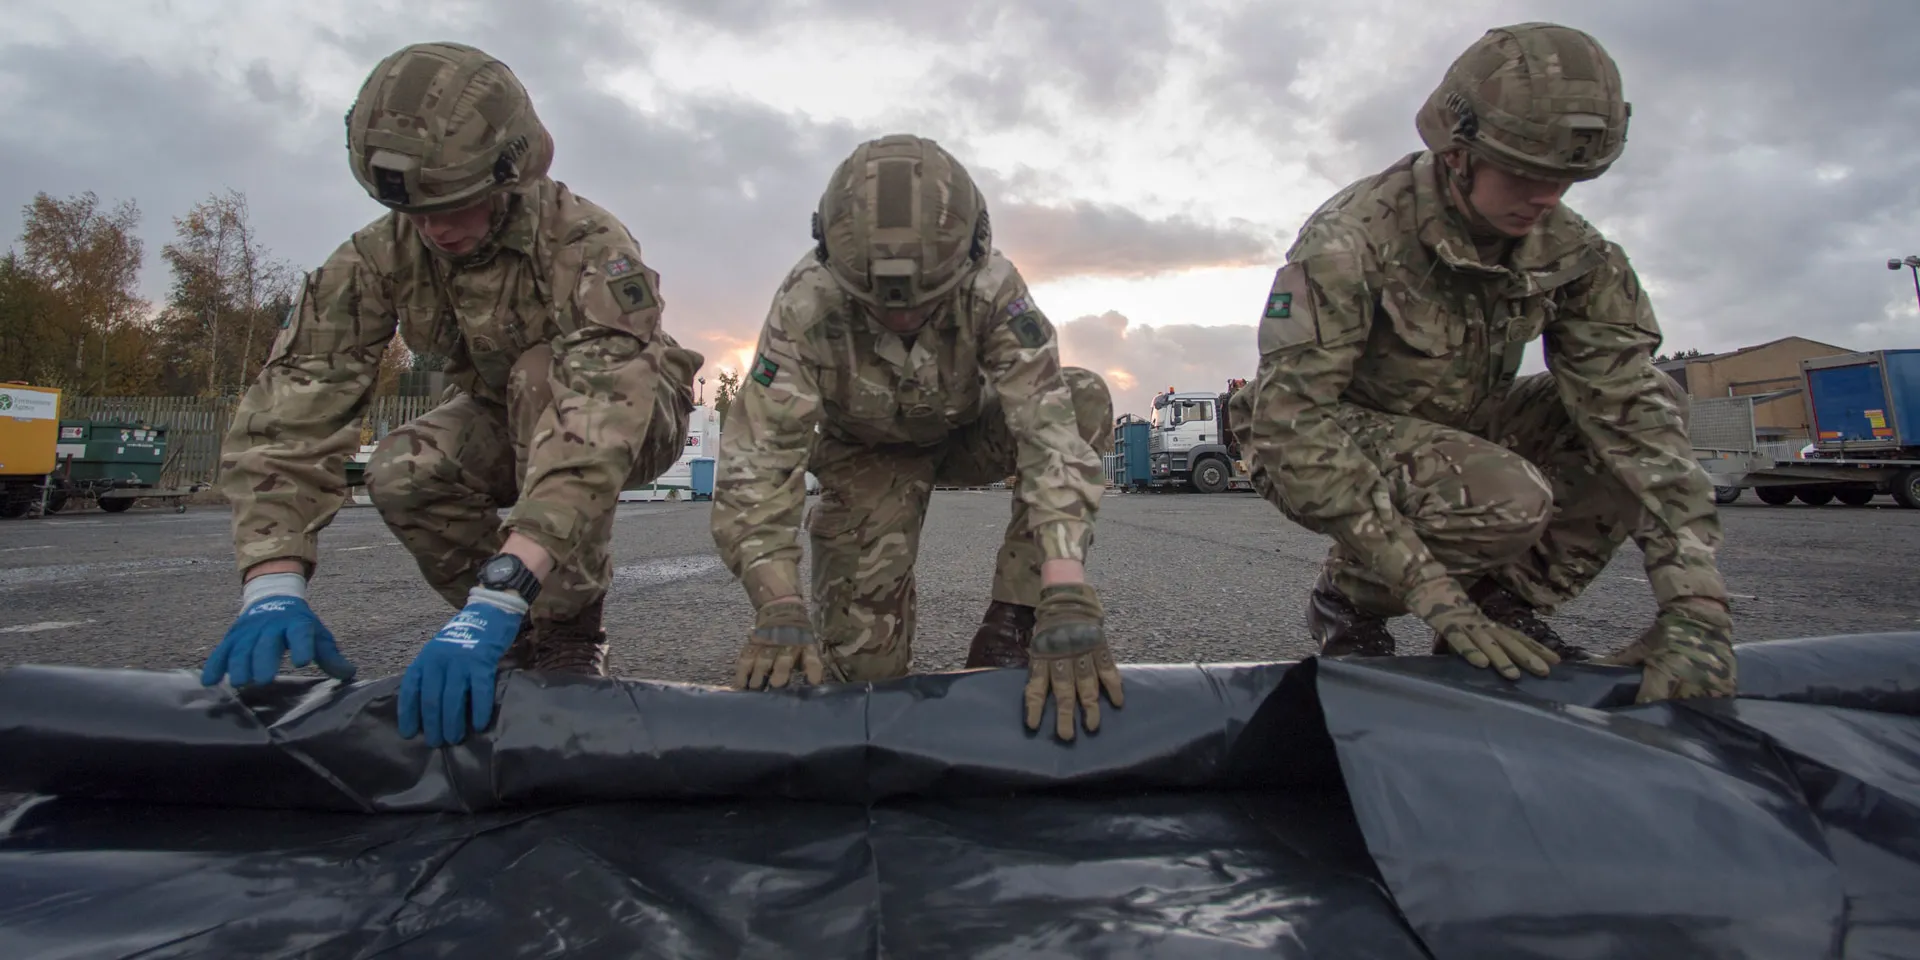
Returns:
(1187, 443)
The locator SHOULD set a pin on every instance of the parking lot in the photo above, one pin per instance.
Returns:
(1184, 578)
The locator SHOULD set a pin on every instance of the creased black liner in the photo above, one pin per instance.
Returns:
(1395, 808)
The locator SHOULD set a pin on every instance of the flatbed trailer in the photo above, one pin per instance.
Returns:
(1863, 409)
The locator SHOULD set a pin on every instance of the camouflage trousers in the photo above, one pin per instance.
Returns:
(440, 482)
(865, 531)
(1522, 500)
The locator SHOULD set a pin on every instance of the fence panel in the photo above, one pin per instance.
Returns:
(196, 426)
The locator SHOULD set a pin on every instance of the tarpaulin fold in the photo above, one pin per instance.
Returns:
(1411, 807)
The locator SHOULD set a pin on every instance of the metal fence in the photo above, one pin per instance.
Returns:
(196, 425)
(1722, 423)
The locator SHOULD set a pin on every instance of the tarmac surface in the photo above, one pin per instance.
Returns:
(1184, 578)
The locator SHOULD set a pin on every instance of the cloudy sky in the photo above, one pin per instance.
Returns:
(1147, 162)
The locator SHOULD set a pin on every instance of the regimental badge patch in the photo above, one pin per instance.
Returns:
(763, 370)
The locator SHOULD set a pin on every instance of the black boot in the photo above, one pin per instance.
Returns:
(1504, 608)
(1004, 636)
(1341, 629)
(578, 645)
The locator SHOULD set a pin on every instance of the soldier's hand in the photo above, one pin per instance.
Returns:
(1688, 652)
(275, 621)
(1070, 657)
(782, 635)
(451, 680)
(1467, 631)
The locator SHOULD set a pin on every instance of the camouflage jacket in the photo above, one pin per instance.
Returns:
(1384, 303)
(561, 270)
(823, 362)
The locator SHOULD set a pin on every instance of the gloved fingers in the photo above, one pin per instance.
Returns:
(216, 666)
(1109, 674)
(810, 661)
(743, 665)
(299, 634)
(453, 704)
(1036, 692)
(433, 690)
(782, 665)
(1523, 651)
(332, 662)
(762, 666)
(1087, 683)
(1061, 669)
(410, 702)
(1462, 644)
(480, 687)
(263, 658)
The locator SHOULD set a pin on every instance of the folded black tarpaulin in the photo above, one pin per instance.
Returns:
(1413, 807)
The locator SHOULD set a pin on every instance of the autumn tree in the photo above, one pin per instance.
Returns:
(228, 299)
(72, 317)
(724, 393)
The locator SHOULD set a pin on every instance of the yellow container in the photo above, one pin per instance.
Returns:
(29, 429)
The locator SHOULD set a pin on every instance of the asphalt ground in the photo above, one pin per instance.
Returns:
(1184, 578)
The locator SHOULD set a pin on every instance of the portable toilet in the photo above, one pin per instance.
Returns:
(702, 477)
(1130, 452)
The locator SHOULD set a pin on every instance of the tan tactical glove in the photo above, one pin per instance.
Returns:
(1466, 630)
(1070, 655)
(781, 634)
(1688, 652)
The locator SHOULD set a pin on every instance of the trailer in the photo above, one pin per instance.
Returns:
(1864, 412)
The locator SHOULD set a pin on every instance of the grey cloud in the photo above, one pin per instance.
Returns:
(1094, 239)
(1140, 360)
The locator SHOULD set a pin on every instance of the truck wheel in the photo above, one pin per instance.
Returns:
(116, 504)
(1725, 494)
(1906, 489)
(1210, 476)
(1855, 496)
(1815, 496)
(1774, 496)
(14, 509)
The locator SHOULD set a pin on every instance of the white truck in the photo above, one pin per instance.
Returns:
(1188, 444)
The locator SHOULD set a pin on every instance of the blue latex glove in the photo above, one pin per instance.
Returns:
(457, 667)
(274, 620)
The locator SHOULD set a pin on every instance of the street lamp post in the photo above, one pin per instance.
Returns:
(1911, 263)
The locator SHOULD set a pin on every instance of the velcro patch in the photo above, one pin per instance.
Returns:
(620, 266)
(1018, 307)
(763, 370)
(1031, 329)
(631, 292)
(1282, 326)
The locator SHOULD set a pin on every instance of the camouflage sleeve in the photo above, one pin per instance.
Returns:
(1060, 475)
(283, 459)
(759, 487)
(1313, 328)
(607, 365)
(1600, 350)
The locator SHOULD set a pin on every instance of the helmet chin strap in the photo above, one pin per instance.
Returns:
(1478, 226)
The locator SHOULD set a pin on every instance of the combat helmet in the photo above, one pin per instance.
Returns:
(1537, 99)
(900, 223)
(439, 126)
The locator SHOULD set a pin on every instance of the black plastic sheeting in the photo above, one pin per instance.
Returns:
(1391, 808)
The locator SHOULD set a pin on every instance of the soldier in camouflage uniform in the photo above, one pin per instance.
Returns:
(565, 390)
(1387, 413)
(917, 352)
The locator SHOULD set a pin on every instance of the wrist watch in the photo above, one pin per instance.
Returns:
(504, 571)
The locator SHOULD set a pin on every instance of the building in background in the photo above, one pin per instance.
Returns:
(1769, 367)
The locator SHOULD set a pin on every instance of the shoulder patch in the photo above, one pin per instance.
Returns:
(1031, 329)
(1289, 317)
(620, 265)
(630, 290)
(763, 370)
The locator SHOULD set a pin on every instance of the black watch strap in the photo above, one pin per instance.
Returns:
(504, 571)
